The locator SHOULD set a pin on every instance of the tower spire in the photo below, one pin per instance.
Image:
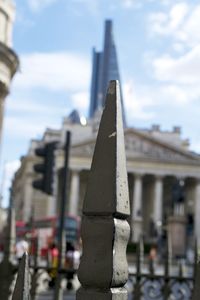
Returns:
(105, 68)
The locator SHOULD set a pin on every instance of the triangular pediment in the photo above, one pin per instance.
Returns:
(141, 146)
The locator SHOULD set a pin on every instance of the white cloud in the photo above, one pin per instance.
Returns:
(164, 23)
(37, 5)
(57, 71)
(182, 70)
(28, 105)
(26, 127)
(128, 3)
(80, 100)
(174, 93)
(138, 102)
(178, 47)
(143, 101)
(177, 15)
(181, 22)
(91, 5)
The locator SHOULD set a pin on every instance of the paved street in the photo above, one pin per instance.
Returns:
(68, 296)
(49, 296)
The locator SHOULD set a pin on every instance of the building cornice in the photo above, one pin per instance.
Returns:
(157, 141)
(10, 58)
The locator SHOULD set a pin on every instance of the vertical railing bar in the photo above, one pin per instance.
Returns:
(196, 288)
(139, 264)
(61, 230)
(21, 290)
(35, 275)
(166, 289)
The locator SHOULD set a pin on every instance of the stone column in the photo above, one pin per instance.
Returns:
(158, 201)
(74, 193)
(197, 210)
(137, 208)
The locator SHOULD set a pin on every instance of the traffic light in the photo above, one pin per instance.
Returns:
(45, 168)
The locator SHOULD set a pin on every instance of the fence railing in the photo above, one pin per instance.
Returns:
(162, 281)
(103, 271)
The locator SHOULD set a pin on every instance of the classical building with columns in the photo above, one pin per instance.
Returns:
(163, 174)
(156, 160)
(8, 58)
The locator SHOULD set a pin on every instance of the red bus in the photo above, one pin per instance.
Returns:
(46, 230)
(22, 229)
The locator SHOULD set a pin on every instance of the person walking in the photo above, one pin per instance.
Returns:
(21, 247)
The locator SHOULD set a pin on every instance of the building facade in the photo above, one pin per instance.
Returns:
(8, 58)
(155, 161)
(104, 68)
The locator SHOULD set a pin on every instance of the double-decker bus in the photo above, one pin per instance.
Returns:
(46, 231)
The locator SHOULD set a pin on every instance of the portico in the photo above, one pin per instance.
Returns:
(153, 168)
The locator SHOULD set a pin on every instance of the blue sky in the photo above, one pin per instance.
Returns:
(158, 45)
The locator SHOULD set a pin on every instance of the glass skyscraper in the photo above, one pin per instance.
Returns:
(105, 68)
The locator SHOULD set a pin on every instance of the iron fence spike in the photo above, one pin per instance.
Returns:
(34, 277)
(21, 291)
(106, 207)
(180, 270)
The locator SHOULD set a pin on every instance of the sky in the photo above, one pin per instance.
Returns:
(158, 47)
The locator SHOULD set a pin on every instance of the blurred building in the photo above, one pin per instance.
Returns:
(104, 68)
(155, 160)
(8, 58)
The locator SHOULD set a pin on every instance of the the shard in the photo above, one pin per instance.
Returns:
(105, 68)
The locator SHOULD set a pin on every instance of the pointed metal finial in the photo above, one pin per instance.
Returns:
(107, 191)
(195, 256)
(139, 261)
(180, 270)
(21, 291)
(168, 255)
(166, 287)
(140, 255)
(105, 231)
(196, 290)
(35, 275)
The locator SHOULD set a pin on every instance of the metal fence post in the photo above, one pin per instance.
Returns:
(61, 229)
(21, 291)
(35, 275)
(196, 289)
(139, 261)
(103, 270)
(166, 288)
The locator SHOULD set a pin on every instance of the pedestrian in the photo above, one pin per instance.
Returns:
(53, 251)
(21, 247)
(69, 264)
